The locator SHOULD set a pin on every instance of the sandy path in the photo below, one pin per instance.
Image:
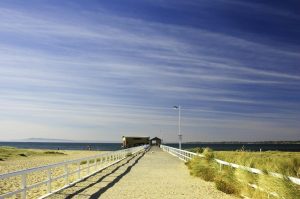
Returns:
(155, 175)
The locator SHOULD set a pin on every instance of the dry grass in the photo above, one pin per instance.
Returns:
(202, 168)
(287, 163)
(236, 181)
(227, 181)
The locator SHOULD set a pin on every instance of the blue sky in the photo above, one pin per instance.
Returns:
(97, 70)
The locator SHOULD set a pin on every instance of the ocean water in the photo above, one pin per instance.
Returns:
(118, 146)
(248, 147)
(64, 146)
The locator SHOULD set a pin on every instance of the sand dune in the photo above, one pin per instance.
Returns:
(21, 163)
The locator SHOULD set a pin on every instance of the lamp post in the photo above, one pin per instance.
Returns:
(179, 124)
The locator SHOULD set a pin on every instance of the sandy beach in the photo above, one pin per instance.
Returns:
(21, 163)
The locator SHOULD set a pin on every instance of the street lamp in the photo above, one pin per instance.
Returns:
(179, 121)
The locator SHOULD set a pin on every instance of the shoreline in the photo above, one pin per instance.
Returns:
(292, 147)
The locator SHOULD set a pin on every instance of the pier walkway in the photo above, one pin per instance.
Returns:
(155, 174)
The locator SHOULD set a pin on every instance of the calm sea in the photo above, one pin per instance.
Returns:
(117, 146)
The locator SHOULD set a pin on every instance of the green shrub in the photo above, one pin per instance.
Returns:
(188, 164)
(128, 154)
(83, 162)
(202, 168)
(197, 150)
(225, 186)
(227, 182)
(209, 154)
(54, 153)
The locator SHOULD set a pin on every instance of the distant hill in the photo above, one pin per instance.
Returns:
(57, 140)
(42, 140)
(236, 142)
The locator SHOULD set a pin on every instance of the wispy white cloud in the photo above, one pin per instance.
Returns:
(121, 72)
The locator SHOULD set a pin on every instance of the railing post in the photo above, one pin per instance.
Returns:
(78, 170)
(67, 174)
(88, 167)
(23, 185)
(49, 181)
(96, 164)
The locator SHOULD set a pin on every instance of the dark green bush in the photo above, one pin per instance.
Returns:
(83, 162)
(128, 154)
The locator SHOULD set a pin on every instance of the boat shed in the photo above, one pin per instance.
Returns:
(129, 141)
(155, 141)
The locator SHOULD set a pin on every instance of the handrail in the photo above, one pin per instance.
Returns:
(187, 155)
(98, 162)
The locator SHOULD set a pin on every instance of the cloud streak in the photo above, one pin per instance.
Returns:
(117, 74)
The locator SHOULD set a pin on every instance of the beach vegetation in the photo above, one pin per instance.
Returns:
(279, 186)
(129, 154)
(11, 152)
(202, 167)
(83, 162)
(227, 182)
(237, 181)
(54, 153)
(87, 161)
(197, 150)
(7, 153)
(286, 163)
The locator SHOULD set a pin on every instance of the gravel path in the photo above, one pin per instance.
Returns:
(156, 174)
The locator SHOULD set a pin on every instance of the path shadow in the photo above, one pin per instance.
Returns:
(117, 179)
(109, 185)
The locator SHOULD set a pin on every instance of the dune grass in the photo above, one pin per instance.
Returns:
(287, 163)
(203, 168)
(237, 181)
(8, 153)
(15, 159)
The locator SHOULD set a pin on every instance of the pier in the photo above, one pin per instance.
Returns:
(153, 174)
(137, 172)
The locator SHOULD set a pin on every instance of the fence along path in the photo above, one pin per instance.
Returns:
(187, 155)
(155, 174)
(84, 167)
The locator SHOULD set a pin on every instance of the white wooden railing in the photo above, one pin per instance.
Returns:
(187, 155)
(95, 163)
